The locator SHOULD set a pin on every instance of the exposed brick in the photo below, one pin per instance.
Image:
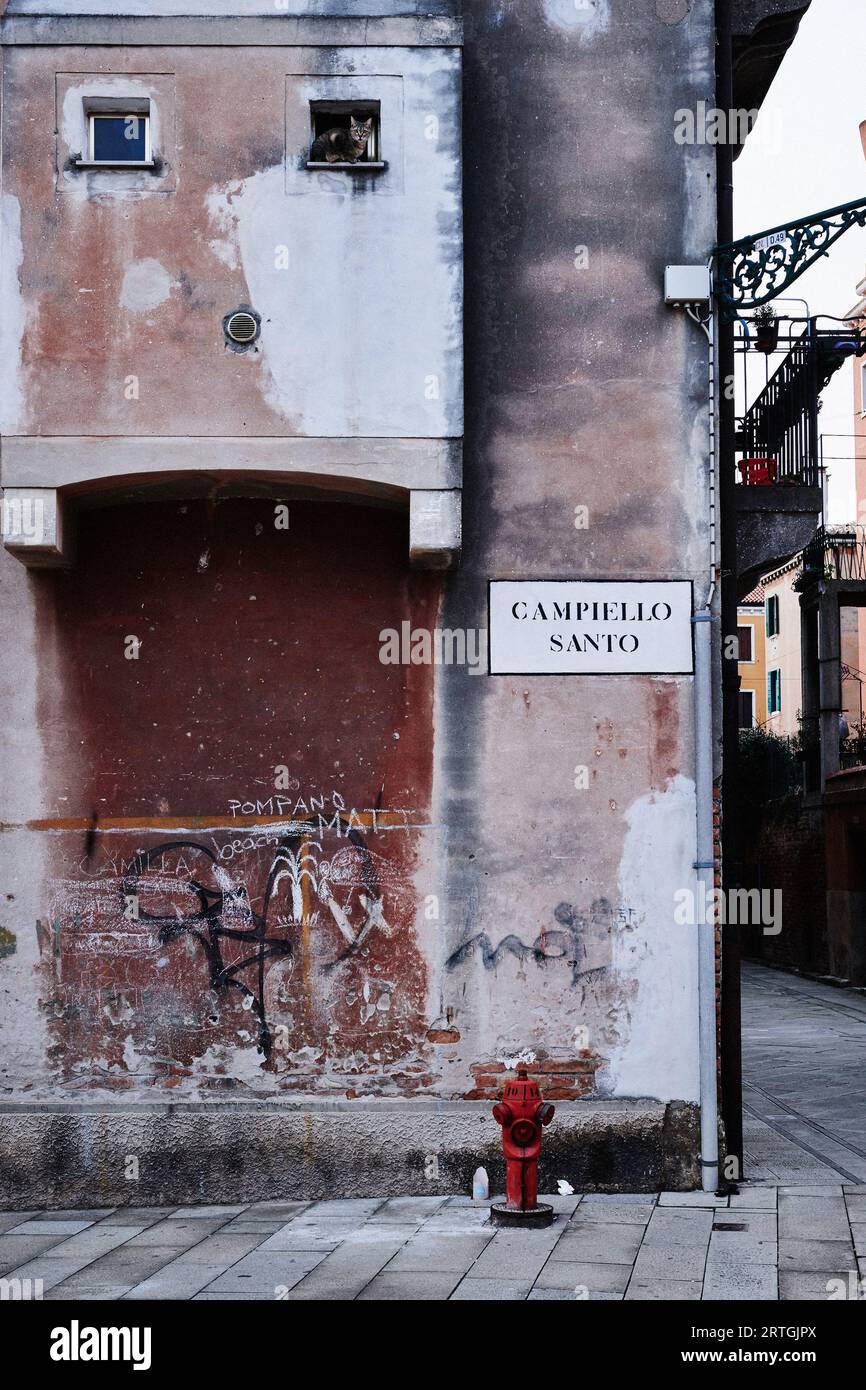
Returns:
(575, 1066)
(443, 1035)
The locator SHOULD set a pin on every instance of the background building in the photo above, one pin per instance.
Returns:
(752, 663)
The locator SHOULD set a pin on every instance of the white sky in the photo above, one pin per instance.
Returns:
(805, 155)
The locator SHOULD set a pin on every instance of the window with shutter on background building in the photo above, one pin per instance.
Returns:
(774, 692)
(772, 615)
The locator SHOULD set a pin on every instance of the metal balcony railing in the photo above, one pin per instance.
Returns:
(778, 439)
(836, 553)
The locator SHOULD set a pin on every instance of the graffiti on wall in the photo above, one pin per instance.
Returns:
(569, 943)
(199, 897)
(295, 935)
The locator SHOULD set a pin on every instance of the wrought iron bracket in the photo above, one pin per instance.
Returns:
(756, 269)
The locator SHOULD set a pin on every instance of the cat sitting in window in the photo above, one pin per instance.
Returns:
(343, 144)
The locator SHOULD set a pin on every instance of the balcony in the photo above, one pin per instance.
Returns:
(778, 439)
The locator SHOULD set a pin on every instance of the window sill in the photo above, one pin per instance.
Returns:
(369, 166)
(115, 163)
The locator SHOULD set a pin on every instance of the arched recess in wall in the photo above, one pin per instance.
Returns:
(240, 784)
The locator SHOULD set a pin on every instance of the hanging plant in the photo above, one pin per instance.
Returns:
(766, 329)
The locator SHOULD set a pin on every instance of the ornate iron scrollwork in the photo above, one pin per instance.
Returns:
(749, 273)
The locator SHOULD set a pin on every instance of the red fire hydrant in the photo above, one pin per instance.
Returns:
(522, 1114)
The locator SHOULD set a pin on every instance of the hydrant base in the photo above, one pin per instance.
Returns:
(502, 1215)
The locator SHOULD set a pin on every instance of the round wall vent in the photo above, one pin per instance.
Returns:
(241, 327)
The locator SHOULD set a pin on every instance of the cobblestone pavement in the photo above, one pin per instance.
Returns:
(796, 1226)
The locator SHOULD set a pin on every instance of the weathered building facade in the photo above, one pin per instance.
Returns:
(281, 907)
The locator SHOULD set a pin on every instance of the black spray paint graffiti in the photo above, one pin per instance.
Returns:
(224, 913)
(566, 945)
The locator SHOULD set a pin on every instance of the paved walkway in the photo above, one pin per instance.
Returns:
(804, 1079)
(762, 1243)
(798, 1224)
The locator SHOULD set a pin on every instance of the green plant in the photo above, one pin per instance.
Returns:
(770, 769)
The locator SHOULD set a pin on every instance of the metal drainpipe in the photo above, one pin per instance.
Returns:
(705, 868)
(705, 861)
(731, 1042)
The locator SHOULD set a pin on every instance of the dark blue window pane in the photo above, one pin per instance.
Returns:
(119, 137)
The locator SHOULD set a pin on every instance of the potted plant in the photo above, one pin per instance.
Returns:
(766, 329)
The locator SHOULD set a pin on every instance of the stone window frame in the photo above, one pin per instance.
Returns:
(131, 108)
(334, 106)
(81, 93)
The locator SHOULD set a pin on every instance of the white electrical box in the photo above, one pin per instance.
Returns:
(687, 284)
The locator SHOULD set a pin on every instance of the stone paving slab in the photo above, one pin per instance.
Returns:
(431, 1249)
(795, 1285)
(471, 1290)
(16, 1250)
(664, 1291)
(50, 1228)
(815, 1256)
(121, 1269)
(96, 1240)
(618, 1214)
(813, 1218)
(179, 1233)
(8, 1219)
(682, 1262)
(691, 1199)
(104, 1293)
(671, 1226)
(599, 1244)
(440, 1254)
(574, 1275)
(204, 1213)
(414, 1286)
(733, 1281)
(753, 1199)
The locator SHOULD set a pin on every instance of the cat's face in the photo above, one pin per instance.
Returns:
(361, 130)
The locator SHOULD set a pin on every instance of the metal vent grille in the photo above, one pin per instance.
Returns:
(241, 327)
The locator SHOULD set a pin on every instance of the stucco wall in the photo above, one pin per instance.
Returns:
(126, 276)
(783, 652)
(540, 916)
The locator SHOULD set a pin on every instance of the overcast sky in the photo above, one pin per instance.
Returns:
(805, 155)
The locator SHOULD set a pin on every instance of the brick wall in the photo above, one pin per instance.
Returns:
(789, 856)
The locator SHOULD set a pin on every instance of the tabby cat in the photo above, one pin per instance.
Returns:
(343, 144)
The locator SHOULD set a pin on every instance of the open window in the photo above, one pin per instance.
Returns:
(118, 133)
(338, 119)
(772, 615)
(774, 692)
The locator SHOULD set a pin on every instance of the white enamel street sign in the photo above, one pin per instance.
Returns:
(589, 627)
(774, 239)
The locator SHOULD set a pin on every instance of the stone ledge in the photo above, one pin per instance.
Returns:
(56, 1155)
(253, 31)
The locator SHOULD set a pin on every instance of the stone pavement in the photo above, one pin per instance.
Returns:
(797, 1224)
(804, 1079)
(764, 1243)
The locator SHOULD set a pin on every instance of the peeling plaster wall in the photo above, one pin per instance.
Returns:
(525, 918)
(232, 8)
(357, 277)
(582, 389)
